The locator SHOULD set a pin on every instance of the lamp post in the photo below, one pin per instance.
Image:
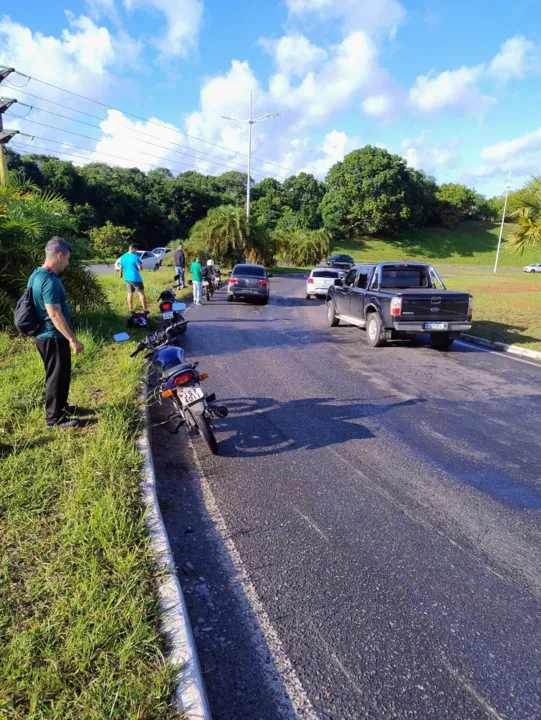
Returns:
(251, 121)
(507, 188)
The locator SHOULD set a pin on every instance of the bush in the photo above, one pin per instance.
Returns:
(110, 240)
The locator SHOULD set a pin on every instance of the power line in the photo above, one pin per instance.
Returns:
(131, 130)
(151, 122)
(89, 137)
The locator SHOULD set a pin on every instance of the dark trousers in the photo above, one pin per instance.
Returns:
(56, 356)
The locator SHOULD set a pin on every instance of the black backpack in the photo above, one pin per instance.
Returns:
(25, 317)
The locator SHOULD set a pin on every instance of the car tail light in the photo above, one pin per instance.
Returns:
(262, 282)
(470, 306)
(310, 280)
(232, 281)
(182, 379)
(166, 306)
(396, 306)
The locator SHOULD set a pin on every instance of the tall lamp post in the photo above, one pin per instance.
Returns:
(251, 121)
(507, 188)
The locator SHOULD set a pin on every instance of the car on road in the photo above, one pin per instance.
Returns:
(396, 299)
(340, 258)
(249, 282)
(342, 267)
(320, 280)
(149, 261)
(161, 252)
(533, 268)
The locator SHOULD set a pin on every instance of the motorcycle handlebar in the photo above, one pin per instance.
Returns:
(158, 340)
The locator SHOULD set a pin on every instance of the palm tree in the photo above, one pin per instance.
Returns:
(528, 231)
(28, 218)
(304, 247)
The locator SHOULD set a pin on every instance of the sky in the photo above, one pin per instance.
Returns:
(453, 87)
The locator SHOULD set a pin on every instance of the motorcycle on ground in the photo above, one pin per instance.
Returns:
(181, 382)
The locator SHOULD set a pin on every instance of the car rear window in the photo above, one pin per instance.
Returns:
(255, 270)
(325, 273)
(405, 277)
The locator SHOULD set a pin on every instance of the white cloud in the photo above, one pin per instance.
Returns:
(102, 8)
(335, 146)
(521, 156)
(430, 157)
(513, 148)
(294, 55)
(378, 105)
(184, 18)
(517, 56)
(452, 89)
(372, 16)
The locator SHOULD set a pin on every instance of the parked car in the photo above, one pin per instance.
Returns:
(248, 282)
(533, 268)
(162, 252)
(340, 258)
(149, 261)
(320, 280)
(395, 298)
(342, 267)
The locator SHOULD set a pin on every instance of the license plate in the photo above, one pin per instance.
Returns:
(168, 315)
(436, 326)
(191, 395)
(205, 283)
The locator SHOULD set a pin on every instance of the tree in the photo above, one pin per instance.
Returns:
(111, 240)
(455, 202)
(367, 193)
(303, 247)
(514, 203)
(528, 216)
(303, 194)
(233, 184)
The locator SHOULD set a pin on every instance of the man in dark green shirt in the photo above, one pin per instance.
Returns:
(55, 337)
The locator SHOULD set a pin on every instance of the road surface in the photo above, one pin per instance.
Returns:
(368, 542)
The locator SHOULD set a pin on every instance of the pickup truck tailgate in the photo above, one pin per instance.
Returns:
(445, 305)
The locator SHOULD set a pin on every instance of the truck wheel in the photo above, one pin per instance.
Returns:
(373, 330)
(441, 341)
(332, 320)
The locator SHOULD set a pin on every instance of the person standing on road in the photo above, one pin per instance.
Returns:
(180, 266)
(197, 278)
(130, 270)
(55, 339)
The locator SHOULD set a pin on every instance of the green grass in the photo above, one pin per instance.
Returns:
(472, 243)
(79, 623)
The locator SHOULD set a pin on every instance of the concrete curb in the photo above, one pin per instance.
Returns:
(501, 347)
(190, 692)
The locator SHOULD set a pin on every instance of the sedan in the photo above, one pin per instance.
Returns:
(320, 280)
(248, 282)
(534, 267)
(342, 267)
(340, 258)
(149, 261)
(161, 252)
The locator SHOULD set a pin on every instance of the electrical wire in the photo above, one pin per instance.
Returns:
(146, 120)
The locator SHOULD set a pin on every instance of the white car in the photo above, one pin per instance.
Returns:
(161, 252)
(534, 267)
(320, 280)
(149, 261)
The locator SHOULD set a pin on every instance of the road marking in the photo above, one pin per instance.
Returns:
(312, 524)
(262, 630)
(466, 685)
(504, 355)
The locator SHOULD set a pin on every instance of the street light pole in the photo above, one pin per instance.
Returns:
(251, 121)
(507, 188)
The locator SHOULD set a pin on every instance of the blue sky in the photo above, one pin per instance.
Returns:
(452, 87)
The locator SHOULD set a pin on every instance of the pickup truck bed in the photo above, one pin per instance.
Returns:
(364, 298)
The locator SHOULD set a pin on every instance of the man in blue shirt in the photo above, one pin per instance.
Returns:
(55, 337)
(130, 267)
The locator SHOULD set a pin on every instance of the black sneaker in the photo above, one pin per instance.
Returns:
(71, 410)
(64, 423)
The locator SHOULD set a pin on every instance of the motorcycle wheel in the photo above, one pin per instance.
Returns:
(208, 294)
(207, 433)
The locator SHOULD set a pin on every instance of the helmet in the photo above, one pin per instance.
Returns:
(210, 263)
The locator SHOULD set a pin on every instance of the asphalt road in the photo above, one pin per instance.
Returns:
(367, 543)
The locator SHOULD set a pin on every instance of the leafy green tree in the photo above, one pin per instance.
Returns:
(528, 216)
(303, 247)
(455, 202)
(110, 240)
(514, 203)
(303, 194)
(233, 185)
(367, 193)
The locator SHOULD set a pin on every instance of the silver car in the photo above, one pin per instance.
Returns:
(249, 282)
(533, 268)
(320, 280)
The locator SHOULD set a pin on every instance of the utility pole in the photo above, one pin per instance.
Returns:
(507, 188)
(5, 135)
(251, 121)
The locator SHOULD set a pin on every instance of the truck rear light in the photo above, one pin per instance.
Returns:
(262, 282)
(470, 306)
(310, 280)
(396, 306)
(232, 281)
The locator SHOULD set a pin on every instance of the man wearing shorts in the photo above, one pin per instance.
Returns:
(130, 270)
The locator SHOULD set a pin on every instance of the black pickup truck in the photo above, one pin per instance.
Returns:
(392, 298)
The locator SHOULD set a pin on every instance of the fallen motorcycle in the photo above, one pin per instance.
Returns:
(180, 381)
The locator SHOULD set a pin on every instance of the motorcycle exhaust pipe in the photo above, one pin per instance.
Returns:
(221, 411)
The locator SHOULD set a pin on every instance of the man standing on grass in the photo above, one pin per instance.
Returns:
(54, 337)
(130, 270)
(180, 266)
(197, 278)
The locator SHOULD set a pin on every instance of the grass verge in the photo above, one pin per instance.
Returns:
(79, 621)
